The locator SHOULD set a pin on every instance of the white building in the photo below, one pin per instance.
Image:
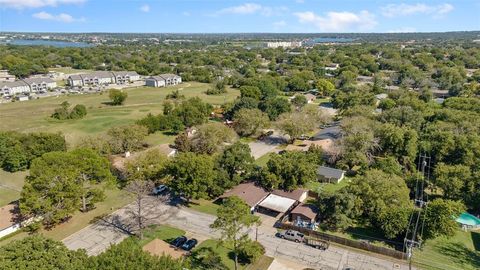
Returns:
(98, 77)
(122, 77)
(283, 44)
(163, 80)
(40, 84)
(75, 80)
(6, 77)
(13, 88)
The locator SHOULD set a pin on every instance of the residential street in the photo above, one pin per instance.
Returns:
(97, 237)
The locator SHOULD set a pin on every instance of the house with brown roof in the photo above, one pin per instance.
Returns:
(248, 192)
(299, 194)
(304, 213)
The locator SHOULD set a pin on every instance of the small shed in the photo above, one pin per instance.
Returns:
(304, 212)
(331, 175)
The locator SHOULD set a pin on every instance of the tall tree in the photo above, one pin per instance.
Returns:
(117, 97)
(233, 220)
(140, 189)
(248, 122)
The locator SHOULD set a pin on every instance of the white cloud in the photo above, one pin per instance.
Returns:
(403, 30)
(279, 24)
(62, 17)
(252, 8)
(21, 4)
(339, 21)
(397, 10)
(145, 8)
(248, 8)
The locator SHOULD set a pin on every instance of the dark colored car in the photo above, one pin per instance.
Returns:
(179, 241)
(189, 244)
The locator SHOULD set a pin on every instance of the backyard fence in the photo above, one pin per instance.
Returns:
(347, 242)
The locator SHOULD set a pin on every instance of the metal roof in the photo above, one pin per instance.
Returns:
(328, 172)
(277, 203)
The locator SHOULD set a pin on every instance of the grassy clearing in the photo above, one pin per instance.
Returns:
(10, 186)
(461, 252)
(204, 206)
(262, 161)
(262, 264)
(162, 232)
(35, 114)
(69, 70)
(327, 187)
(115, 199)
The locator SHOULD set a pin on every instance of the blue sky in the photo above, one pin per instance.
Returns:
(214, 16)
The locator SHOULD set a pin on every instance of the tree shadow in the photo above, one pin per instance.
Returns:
(476, 240)
(460, 254)
(115, 222)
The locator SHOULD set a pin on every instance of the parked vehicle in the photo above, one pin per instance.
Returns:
(179, 241)
(189, 244)
(317, 243)
(293, 236)
(159, 190)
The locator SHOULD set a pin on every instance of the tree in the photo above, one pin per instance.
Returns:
(299, 101)
(393, 221)
(237, 161)
(211, 138)
(206, 258)
(126, 138)
(78, 112)
(250, 92)
(62, 112)
(439, 218)
(298, 83)
(301, 122)
(292, 169)
(149, 166)
(219, 87)
(248, 122)
(193, 175)
(193, 111)
(139, 189)
(117, 97)
(233, 221)
(93, 170)
(274, 107)
(39, 252)
(325, 87)
(250, 251)
(455, 180)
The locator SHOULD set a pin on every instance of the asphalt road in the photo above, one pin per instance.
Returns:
(113, 229)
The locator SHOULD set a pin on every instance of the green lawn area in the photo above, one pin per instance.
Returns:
(115, 199)
(329, 187)
(10, 186)
(262, 264)
(204, 206)
(461, 252)
(35, 114)
(159, 138)
(162, 232)
(69, 70)
(262, 161)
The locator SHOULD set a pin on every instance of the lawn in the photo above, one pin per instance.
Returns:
(461, 252)
(204, 206)
(162, 232)
(262, 264)
(115, 199)
(317, 186)
(10, 186)
(262, 161)
(69, 70)
(35, 114)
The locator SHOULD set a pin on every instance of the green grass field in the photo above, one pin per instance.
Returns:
(69, 70)
(461, 252)
(34, 115)
(204, 206)
(162, 232)
(10, 186)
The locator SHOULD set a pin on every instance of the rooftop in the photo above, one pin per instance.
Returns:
(307, 210)
(277, 203)
(330, 172)
(249, 192)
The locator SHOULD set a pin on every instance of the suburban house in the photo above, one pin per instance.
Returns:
(297, 194)
(274, 205)
(6, 77)
(248, 192)
(332, 66)
(163, 80)
(123, 77)
(304, 213)
(14, 88)
(331, 175)
(40, 84)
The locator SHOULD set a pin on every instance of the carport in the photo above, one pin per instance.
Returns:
(274, 205)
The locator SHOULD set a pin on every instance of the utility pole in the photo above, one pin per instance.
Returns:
(415, 227)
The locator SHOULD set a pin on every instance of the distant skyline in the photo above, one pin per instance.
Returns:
(216, 16)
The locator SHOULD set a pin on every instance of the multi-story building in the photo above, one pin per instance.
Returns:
(14, 88)
(97, 78)
(163, 80)
(122, 77)
(283, 44)
(6, 77)
(40, 84)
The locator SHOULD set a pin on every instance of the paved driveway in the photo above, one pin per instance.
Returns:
(267, 145)
(97, 237)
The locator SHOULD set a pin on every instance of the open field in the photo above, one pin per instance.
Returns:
(461, 252)
(10, 186)
(69, 70)
(34, 115)
(115, 199)
(162, 232)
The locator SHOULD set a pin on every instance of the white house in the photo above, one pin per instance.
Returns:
(40, 84)
(171, 79)
(6, 77)
(98, 77)
(13, 88)
(75, 80)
